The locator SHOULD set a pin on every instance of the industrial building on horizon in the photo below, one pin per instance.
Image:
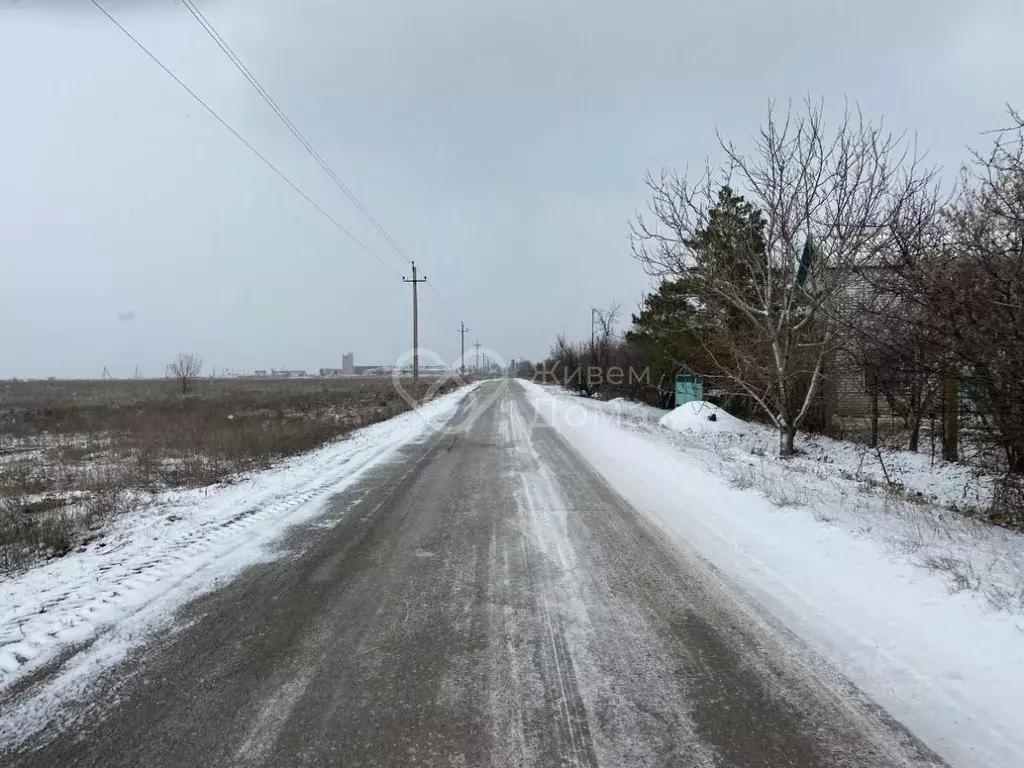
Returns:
(349, 368)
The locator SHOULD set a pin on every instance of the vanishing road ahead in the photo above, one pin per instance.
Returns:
(485, 600)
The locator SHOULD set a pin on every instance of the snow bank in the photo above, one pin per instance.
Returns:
(623, 407)
(120, 588)
(835, 565)
(701, 416)
(937, 481)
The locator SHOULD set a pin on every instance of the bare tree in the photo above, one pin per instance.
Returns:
(185, 370)
(524, 369)
(972, 290)
(985, 288)
(892, 335)
(565, 364)
(603, 336)
(825, 202)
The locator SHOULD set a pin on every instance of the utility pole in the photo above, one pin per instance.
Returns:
(462, 360)
(415, 328)
(477, 345)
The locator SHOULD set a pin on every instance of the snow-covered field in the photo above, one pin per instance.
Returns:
(918, 606)
(117, 590)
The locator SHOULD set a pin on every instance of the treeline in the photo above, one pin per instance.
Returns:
(827, 264)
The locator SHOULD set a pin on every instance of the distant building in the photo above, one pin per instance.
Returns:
(348, 366)
(259, 373)
(331, 372)
(286, 374)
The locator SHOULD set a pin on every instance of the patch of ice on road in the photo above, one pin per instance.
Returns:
(700, 416)
(863, 581)
(117, 590)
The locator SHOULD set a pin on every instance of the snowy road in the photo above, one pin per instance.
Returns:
(485, 600)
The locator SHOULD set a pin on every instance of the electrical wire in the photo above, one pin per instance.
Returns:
(213, 113)
(265, 95)
(235, 59)
(242, 139)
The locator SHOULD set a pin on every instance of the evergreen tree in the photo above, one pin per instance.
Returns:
(682, 323)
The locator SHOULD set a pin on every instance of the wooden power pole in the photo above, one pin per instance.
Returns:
(477, 345)
(415, 328)
(462, 360)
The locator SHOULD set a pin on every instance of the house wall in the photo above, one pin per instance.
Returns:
(848, 377)
(849, 387)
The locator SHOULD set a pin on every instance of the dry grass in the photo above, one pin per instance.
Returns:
(779, 484)
(968, 554)
(73, 453)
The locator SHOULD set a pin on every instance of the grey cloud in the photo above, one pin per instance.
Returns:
(502, 144)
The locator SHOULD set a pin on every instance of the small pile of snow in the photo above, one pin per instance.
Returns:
(702, 416)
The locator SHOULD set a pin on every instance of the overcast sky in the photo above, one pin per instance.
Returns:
(503, 145)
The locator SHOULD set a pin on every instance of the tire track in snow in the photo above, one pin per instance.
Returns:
(631, 699)
(549, 580)
(122, 578)
(156, 559)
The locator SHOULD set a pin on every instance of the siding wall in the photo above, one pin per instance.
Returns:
(849, 385)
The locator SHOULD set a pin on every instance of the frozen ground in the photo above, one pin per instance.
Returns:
(108, 596)
(919, 607)
(484, 599)
(511, 540)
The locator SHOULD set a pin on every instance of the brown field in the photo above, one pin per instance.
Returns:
(74, 453)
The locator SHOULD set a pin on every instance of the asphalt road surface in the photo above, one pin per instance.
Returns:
(486, 600)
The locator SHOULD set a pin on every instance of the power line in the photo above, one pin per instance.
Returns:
(444, 304)
(255, 83)
(264, 159)
(241, 138)
(235, 59)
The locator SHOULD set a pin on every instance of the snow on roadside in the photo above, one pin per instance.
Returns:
(148, 564)
(629, 409)
(935, 480)
(838, 561)
(700, 416)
